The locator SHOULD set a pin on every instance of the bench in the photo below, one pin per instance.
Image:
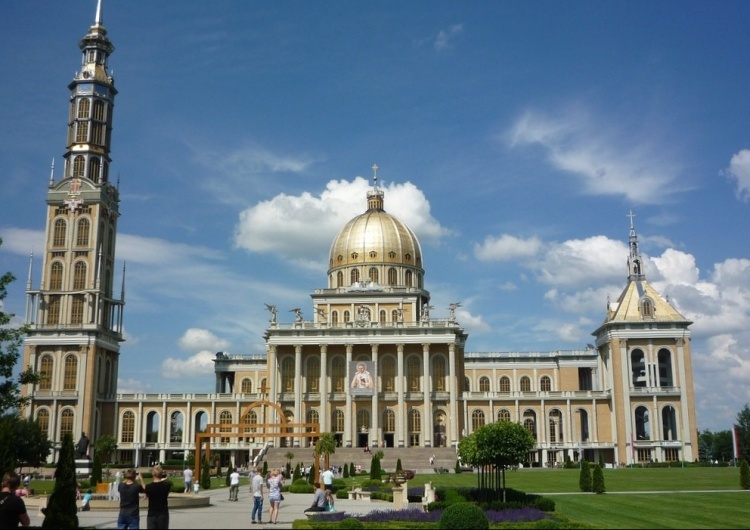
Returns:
(359, 494)
(320, 515)
(441, 470)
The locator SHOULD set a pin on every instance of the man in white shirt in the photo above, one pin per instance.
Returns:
(327, 477)
(234, 485)
(188, 474)
(256, 487)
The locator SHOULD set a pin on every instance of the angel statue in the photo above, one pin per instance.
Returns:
(321, 312)
(452, 308)
(426, 311)
(297, 314)
(271, 309)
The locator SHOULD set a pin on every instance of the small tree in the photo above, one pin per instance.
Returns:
(61, 510)
(458, 466)
(205, 475)
(96, 470)
(346, 471)
(375, 470)
(297, 473)
(313, 474)
(744, 475)
(265, 468)
(352, 469)
(584, 480)
(597, 485)
(229, 472)
(398, 465)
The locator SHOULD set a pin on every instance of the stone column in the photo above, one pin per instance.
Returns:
(453, 386)
(348, 412)
(426, 391)
(375, 415)
(323, 387)
(401, 418)
(298, 390)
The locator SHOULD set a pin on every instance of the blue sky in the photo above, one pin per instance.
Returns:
(512, 137)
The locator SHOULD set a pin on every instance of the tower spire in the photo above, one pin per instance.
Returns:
(635, 262)
(375, 195)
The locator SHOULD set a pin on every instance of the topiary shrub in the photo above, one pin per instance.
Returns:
(62, 510)
(463, 515)
(597, 485)
(351, 523)
(346, 471)
(398, 465)
(584, 481)
(744, 475)
(457, 467)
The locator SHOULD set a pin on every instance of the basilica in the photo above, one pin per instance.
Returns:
(372, 365)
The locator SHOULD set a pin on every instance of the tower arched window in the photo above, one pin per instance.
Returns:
(94, 163)
(79, 164)
(642, 424)
(46, 365)
(67, 417)
(225, 418)
(58, 234)
(152, 427)
(503, 415)
(287, 375)
(477, 419)
(70, 379)
(647, 307)
(84, 108)
(339, 279)
(545, 384)
(338, 421)
(313, 374)
(414, 422)
(389, 421)
(76, 309)
(354, 276)
(42, 419)
(413, 373)
(408, 279)
(82, 235)
(525, 384)
(505, 384)
(56, 276)
(363, 420)
(394, 316)
(438, 374)
(373, 274)
(82, 136)
(127, 432)
(99, 110)
(664, 358)
(669, 424)
(53, 310)
(388, 371)
(79, 275)
(338, 373)
(392, 276)
(638, 368)
(247, 386)
(484, 384)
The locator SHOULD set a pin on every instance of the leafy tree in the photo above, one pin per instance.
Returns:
(743, 433)
(62, 510)
(325, 446)
(597, 485)
(106, 445)
(11, 339)
(32, 452)
(723, 446)
(493, 448)
(584, 479)
(744, 475)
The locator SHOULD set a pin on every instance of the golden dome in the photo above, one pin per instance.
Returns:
(375, 248)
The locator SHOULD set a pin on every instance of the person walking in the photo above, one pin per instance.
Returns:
(129, 517)
(157, 493)
(188, 474)
(327, 477)
(275, 483)
(256, 488)
(234, 484)
(12, 508)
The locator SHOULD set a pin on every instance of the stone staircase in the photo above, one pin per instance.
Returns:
(416, 458)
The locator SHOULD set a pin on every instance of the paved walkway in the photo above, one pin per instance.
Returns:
(224, 514)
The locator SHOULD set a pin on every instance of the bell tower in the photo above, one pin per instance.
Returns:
(74, 319)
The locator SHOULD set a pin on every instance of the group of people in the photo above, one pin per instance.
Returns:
(323, 497)
(274, 482)
(157, 492)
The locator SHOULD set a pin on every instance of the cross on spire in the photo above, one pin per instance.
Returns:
(631, 215)
(375, 173)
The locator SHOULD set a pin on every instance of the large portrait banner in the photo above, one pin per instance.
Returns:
(362, 382)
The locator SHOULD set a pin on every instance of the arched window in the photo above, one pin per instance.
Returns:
(545, 384)
(529, 421)
(312, 417)
(339, 279)
(505, 384)
(42, 419)
(287, 374)
(225, 418)
(467, 384)
(338, 421)
(525, 384)
(313, 374)
(79, 275)
(477, 420)
(382, 316)
(388, 373)
(669, 423)
(413, 372)
(363, 420)
(66, 422)
(79, 162)
(354, 276)
(438, 374)
(82, 237)
(58, 233)
(338, 373)
(127, 434)
(98, 114)
(389, 421)
(94, 164)
(503, 415)
(347, 316)
(415, 427)
(638, 368)
(176, 427)
(152, 427)
(250, 420)
(665, 367)
(55, 276)
(642, 424)
(409, 278)
(646, 307)
(70, 378)
(53, 310)
(246, 387)
(76, 310)
(46, 366)
(201, 421)
(394, 315)
(556, 426)
(392, 276)
(263, 386)
(484, 384)
(373, 274)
